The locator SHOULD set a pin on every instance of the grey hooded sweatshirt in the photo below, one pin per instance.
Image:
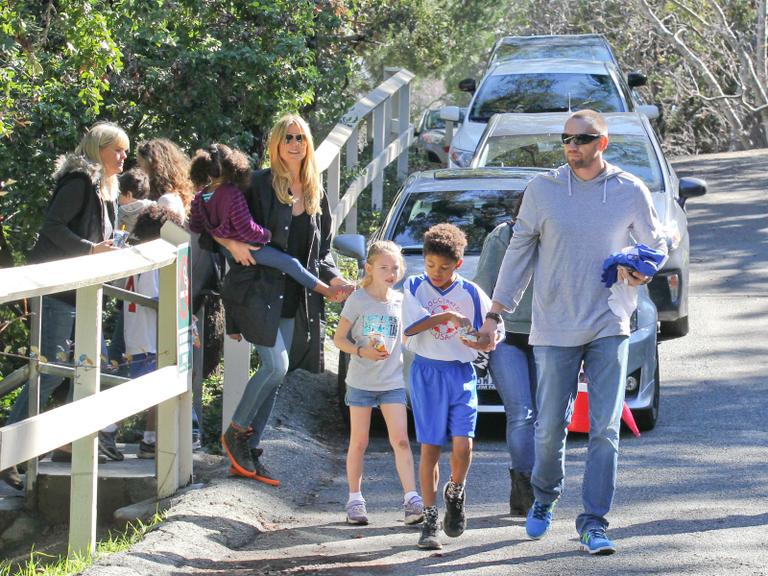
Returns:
(565, 229)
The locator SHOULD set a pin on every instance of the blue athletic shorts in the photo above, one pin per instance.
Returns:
(444, 400)
(369, 398)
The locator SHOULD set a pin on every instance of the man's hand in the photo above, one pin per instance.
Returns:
(487, 335)
(632, 276)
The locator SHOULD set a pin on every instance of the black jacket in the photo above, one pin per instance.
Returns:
(75, 218)
(252, 295)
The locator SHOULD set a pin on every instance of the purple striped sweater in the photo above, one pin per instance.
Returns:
(224, 213)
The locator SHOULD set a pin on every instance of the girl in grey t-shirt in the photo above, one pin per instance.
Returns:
(370, 330)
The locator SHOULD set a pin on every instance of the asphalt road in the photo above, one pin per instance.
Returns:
(692, 494)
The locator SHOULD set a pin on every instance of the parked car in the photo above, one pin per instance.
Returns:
(430, 137)
(477, 201)
(533, 141)
(536, 86)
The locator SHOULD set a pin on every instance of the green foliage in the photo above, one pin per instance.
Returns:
(40, 563)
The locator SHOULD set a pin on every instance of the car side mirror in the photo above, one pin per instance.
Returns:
(450, 113)
(635, 79)
(468, 85)
(650, 110)
(691, 188)
(351, 246)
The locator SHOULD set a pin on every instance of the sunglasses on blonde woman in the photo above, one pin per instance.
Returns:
(289, 138)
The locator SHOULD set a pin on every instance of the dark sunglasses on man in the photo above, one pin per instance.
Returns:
(579, 139)
(289, 138)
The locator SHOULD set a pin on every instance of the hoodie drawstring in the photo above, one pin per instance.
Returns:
(605, 185)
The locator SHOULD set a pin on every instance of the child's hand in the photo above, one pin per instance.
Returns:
(459, 319)
(373, 354)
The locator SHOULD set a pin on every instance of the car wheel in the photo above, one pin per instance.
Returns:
(675, 328)
(646, 419)
(341, 387)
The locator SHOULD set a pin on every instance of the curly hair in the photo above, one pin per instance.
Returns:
(168, 170)
(445, 240)
(151, 220)
(220, 161)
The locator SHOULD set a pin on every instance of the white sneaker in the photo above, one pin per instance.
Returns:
(356, 512)
(414, 510)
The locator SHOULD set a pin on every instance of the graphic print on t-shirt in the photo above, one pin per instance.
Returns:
(446, 330)
(383, 326)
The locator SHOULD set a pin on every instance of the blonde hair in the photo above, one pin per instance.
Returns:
(310, 177)
(379, 248)
(99, 136)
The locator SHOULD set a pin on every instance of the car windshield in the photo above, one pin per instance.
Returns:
(476, 212)
(529, 93)
(632, 153)
(530, 51)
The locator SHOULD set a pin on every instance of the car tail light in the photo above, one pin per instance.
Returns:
(673, 281)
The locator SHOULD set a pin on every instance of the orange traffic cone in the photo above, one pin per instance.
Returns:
(580, 419)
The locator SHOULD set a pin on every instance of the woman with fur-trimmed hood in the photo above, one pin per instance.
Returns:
(80, 220)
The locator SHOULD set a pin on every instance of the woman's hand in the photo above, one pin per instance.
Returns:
(345, 288)
(105, 246)
(240, 251)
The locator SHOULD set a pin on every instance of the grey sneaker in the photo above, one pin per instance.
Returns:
(428, 539)
(414, 510)
(356, 512)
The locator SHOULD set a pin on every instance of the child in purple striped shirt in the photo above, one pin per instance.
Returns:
(220, 209)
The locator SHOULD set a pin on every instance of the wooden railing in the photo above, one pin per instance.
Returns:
(385, 114)
(169, 387)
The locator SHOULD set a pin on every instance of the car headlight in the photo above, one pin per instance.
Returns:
(461, 158)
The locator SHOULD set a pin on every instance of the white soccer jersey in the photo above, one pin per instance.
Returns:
(423, 299)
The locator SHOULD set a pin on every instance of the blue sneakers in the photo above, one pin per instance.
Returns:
(539, 518)
(594, 541)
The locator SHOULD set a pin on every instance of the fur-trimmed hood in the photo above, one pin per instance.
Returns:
(70, 163)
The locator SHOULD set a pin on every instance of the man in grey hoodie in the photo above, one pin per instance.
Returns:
(570, 220)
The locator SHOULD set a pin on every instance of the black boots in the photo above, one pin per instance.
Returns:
(520, 494)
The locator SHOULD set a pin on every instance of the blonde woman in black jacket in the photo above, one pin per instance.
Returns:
(265, 306)
(79, 221)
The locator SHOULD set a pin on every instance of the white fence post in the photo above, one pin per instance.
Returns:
(403, 123)
(379, 136)
(84, 476)
(352, 160)
(33, 382)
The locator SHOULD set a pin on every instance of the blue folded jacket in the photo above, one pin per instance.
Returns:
(640, 257)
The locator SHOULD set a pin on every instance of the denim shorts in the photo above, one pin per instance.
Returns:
(370, 398)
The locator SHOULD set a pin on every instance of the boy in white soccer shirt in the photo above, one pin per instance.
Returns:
(441, 312)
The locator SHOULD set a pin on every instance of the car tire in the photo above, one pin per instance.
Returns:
(646, 419)
(674, 328)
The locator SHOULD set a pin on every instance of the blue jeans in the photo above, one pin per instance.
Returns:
(58, 326)
(605, 364)
(514, 374)
(273, 258)
(142, 364)
(260, 393)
